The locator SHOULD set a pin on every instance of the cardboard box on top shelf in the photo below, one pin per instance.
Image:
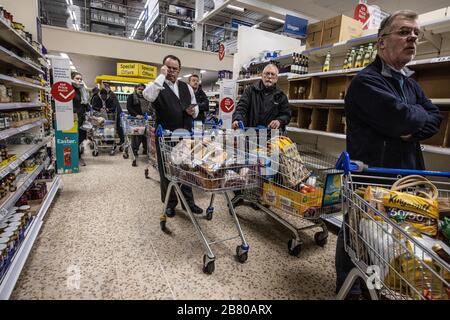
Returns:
(315, 32)
(340, 28)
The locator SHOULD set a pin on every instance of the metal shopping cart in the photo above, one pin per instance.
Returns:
(202, 161)
(102, 132)
(395, 260)
(133, 127)
(305, 186)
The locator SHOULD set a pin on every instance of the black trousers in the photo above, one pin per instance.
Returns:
(82, 134)
(164, 183)
(136, 143)
(120, 129)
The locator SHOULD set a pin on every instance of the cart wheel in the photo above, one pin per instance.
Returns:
(126, 155)
(296, 250)
(162, 224)
(209, 213)
(321, 238)
(113, 152)
(209, 267)
(146, 174)
(121, 148)
(91, 146)
(241, 255)
(95, 153)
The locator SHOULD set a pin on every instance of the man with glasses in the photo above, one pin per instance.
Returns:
(263, 103)
(387, 112)
(175, 108)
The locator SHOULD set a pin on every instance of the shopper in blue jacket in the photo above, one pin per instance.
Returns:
(387, 112)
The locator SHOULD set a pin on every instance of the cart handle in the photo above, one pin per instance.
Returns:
(345, 164)
(160, 132)
(243, 127)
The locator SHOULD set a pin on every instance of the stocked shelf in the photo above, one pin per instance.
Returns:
(317, 132)
(281, 75)
(18, 261)
(11, 36)
(21, 63)
(108, 23)
(20, 105)
(318, 101)
(26, 182)
(19, 83)
(13, 131)
(23, 152)
(120, 10)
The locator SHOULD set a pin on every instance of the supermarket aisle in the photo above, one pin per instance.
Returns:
(105, 226)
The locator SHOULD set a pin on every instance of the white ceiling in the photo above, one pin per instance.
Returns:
(322, 9)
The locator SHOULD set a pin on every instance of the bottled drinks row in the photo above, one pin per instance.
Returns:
(355, 58)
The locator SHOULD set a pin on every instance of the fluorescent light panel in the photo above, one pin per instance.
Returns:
(276, 19)
(235, 8)
(187, 75)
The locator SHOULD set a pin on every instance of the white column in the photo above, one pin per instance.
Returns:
(198, 34)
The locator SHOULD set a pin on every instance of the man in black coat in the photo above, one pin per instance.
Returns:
(263, 103)
(200, 96)
(175, 108)
(387, 112)
(138, 106)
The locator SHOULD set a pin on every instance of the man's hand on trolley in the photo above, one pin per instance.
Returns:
(235, 125)
(274, 124)
(190, 110)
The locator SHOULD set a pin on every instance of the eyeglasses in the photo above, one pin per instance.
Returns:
(270, 74)
(405, 33)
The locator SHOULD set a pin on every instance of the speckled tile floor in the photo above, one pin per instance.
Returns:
(101, 240)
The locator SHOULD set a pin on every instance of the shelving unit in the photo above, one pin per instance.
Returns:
(13, 50)
(18, 261)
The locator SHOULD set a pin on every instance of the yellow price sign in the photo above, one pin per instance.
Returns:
(136, 70)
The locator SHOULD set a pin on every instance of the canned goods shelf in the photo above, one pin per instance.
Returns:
(12, 59)
(13, 131)
(20, 105)
(25, 152)
(20, 83)
(26, 182)
(18, 261)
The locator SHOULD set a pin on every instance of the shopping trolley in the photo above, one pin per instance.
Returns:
(102, 133)
(307, 187)
(395, 260)
(133, 127)
(202, 161)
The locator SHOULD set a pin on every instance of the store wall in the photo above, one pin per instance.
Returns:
(25, 12)
(100, 45)
(91, 67)
(251, 42)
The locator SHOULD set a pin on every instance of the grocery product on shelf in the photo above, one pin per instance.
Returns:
(327, 63)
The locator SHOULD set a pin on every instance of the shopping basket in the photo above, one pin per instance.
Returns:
(395, 260)
(207, 162)
(132, 127)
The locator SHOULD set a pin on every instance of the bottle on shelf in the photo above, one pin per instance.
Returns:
(367, 55)
(345, 64)
(326, 65)
(374, 54)
(351, 58)
(307, 65)
(294, 63)
(359, 57)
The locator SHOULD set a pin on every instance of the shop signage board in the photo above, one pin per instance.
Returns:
(227, 101)
(131, 69)
(221, 51)
(66, 134)
(235, 23)
(295, 26)
(369, 15)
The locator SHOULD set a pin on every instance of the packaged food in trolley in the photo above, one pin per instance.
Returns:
(396, 225)
(101, 129)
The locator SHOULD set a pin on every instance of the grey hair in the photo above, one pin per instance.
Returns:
(386, 24)
(271, 65)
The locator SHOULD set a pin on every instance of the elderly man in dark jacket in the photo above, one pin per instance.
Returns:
(387, 112)
(263, 103)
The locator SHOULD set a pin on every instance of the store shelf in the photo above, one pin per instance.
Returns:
(317, 132)
(178, 26)
(11, 58)
(26, 182)
(436, 150)
(20, 105)
(318, 101)
(13, 131)
(11, 36)
(340, 47)
(108, 23)
(23, 152)
(325, 74)
(122, 93)
(19, 83)
(108, 10)
(426, 62)
(281, 75)
(18, 261)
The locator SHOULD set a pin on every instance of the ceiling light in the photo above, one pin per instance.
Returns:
(70, 61)
(235, 8)
(187, 75)
(205, 13)
(179, 78)
(202, 71)
(64, 55)
(69, 2)
(276, 19)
